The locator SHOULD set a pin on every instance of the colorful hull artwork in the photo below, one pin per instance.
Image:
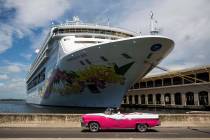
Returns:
(95, 78)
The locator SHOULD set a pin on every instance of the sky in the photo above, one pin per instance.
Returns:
(25, 23)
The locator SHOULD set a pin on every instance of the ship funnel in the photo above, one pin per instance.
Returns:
(154, 30)
(76, 19)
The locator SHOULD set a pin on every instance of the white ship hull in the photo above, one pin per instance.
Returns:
(72, 83)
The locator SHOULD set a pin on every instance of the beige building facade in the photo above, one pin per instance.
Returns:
(188, 88)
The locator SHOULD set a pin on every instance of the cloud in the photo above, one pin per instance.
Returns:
(14, 88)
(13, 67)
(36, 13)
(27, 56)
(37, 41)
(1, 84)
(12, 82)
(5, 37)
(4, 77)
(19, 19)
(186, 22)
(28, 16)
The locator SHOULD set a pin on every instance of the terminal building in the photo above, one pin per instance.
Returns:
(188, 88)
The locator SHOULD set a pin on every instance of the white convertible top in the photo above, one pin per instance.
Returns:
(135, 115)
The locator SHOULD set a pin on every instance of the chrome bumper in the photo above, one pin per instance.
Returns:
(83, 125)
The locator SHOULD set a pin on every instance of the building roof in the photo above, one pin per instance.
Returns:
(174, 73)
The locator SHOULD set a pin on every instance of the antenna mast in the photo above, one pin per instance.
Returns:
(154, 30)
(108, 23)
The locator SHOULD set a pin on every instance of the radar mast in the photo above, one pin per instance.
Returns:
(154, 30)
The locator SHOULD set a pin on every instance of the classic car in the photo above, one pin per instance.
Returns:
(111, 119)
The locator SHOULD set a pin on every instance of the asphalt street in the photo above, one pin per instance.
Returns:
(158, 132)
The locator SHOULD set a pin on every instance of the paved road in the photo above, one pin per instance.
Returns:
(78, 133)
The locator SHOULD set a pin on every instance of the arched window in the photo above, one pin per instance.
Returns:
(142, 99)
(167, 98)
(124, 99)
(203, 98)
(158, 98)
(130, 99)
(136, 97)
(150, 99)
(178, 99)
(190, 98)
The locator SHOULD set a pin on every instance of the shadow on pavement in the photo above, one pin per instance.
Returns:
(195, 129)
(119, 130)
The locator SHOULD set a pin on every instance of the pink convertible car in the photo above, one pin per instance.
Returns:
(115, 120)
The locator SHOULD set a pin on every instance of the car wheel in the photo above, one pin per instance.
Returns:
(94, 127)
(142, 127)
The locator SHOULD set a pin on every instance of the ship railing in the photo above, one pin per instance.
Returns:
(95, 25)
(43, 60)
(40, 54)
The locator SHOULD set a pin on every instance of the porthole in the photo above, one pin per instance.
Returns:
(156, 47)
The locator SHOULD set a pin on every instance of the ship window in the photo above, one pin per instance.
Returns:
(66, 39)
(61, 31)
(88, 61)
(126, 56)
(104, 59)
(85, 42)
(36, 80)
(101, 37)
(83, 36)
(113, 38)
(97, 31)
(81, 62)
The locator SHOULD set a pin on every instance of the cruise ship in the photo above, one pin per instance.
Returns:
(89, 65)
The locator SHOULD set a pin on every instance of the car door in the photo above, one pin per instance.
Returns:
(125, 122)
(120, 121)
(112, 121)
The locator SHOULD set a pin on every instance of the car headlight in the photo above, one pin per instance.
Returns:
(81, 119)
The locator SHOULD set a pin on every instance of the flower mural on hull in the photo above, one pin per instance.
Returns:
(94, 77)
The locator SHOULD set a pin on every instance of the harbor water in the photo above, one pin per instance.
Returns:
(21, 106)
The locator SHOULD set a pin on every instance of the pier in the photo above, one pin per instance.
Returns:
(73, 120)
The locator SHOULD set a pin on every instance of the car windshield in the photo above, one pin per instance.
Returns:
(110, 111)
